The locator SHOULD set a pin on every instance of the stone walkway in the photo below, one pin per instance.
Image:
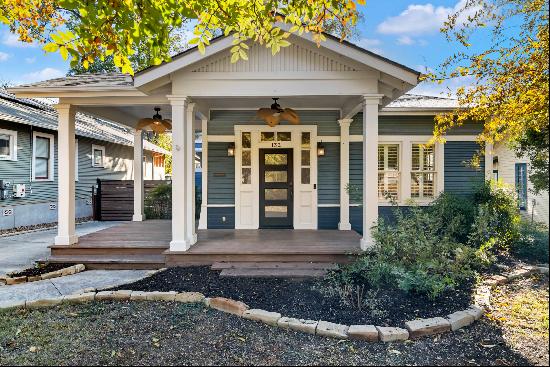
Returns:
(20, 251)
(68, 285)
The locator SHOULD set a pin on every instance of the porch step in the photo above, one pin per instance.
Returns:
(273, 273)
(273, 265)
(106, 248)
(112, 261)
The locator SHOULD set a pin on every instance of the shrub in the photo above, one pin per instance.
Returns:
(158, 202)
(496, 224)
(532, 244)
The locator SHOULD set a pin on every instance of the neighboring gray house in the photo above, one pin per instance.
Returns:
(28, 156)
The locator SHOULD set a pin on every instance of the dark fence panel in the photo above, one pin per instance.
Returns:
(114, 199)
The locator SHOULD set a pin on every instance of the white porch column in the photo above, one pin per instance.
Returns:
(190, 173)
(66, 234)
(138, 177)
(370, 167)
(180, 202)
(344, 224)
(204, 165)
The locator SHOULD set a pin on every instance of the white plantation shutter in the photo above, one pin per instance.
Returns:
(423, 171)
(388, 171)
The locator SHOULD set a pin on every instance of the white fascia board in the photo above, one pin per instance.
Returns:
(77, 91)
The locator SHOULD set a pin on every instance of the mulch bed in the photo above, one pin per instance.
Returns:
(36, 227)
(305, 298)
(40, 269)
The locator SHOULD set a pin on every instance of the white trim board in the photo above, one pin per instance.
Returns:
(51, 166)
(13, 144)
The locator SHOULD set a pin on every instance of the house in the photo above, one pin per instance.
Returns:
(272, 192)
(28, 156)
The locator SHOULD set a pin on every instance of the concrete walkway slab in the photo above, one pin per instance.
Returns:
(20, 251)
(68, 285)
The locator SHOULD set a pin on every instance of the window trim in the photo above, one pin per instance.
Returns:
(51, 159)
(102, 148)
(13, 145)
(422, 170)
(76, 159)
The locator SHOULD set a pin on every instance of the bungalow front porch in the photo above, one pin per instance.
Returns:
(146, 245)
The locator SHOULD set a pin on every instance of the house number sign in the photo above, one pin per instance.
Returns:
(276, 145)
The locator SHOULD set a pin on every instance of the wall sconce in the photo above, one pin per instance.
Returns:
(320, 150)
(231, 150)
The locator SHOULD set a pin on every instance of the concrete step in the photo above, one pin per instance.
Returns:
(273, 273)
(273, 265)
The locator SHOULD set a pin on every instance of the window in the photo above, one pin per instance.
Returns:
(306, 158)
(423, 171)
(246, 157)
(388, 171)
(43, 157)
(98, 156)
(8, 145)
(521, 184)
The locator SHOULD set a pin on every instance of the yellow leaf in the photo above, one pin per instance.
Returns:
(51, 47)
(235, 57)
(201, 47)
(64, 53)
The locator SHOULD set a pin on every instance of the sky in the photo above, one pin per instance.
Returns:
(402, 30)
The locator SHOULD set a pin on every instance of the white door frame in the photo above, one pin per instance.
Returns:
(247, 211)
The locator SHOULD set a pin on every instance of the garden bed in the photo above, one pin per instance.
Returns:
(40, 269)
(306, 298)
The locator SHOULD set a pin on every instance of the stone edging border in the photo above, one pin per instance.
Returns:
(7, 280)
(413, 329)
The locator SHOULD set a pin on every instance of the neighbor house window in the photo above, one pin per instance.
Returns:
(43, 157)
(521, 184)
(388, 171)
(423, 171)
(8, 145)
(98, 156)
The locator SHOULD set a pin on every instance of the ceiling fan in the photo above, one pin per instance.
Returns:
(157, 123)
(275, 114)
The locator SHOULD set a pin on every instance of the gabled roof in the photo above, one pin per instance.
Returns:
(33, 112)
(411, 102)
(90, 80)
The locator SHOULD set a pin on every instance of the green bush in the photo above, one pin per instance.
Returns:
(158, 202)
(532, 244)
(431, 249)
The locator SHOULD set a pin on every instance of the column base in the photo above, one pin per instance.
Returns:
(344, 226)
(180, 245)
(367, 243)
(192, 240)
(66, 240)
(138, 217)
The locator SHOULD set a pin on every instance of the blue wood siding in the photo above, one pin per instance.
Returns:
(460, 179)
(221, 175)
(222, 122)
(216, 215)
(119, 166)
(356, 165)
(385, 212)
(328, 171)
(409, 125)
(328, 217)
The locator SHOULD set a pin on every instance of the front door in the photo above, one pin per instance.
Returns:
(276, 188)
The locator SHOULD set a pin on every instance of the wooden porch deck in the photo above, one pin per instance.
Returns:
(146, 245)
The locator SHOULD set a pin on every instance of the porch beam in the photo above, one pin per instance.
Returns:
(180, 241)
(370, 167)
(344, 224)
(66, 230)
(138, 177)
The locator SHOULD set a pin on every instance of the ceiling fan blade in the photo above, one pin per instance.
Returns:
(264, 112)
(167, 124)
(291, 116)
(144, 123)
(272, 120)
(158, 128)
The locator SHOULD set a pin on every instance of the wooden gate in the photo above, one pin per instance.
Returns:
(114, 199)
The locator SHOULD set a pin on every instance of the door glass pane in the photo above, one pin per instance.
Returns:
(246, 158)
(276, 159)
(246, 176)
(306, 140)
(278, 211)
(305, 176)
(283, 136)
(246, 140)
(267, 136)
(306, 156)
(276, 194)
(4, 145)
(275, 176)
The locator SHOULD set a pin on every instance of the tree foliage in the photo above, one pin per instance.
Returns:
(113, 28)
(510, 77)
